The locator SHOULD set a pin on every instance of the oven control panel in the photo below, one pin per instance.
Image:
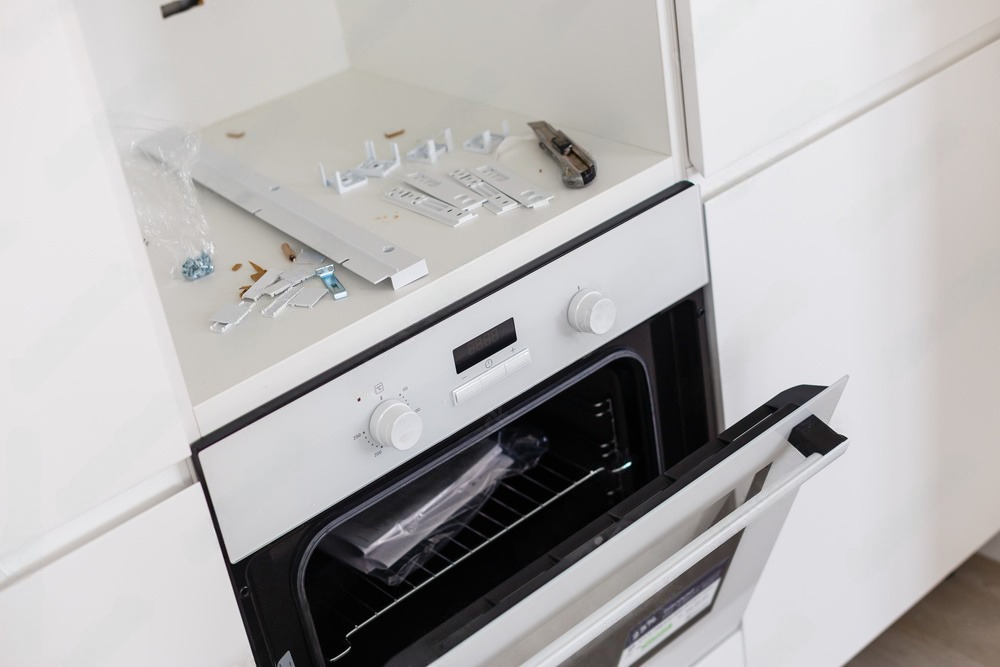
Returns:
(295, 462)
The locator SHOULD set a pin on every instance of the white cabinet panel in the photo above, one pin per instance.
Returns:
(754, 71)
(591, 65)
(154, 591)
(208, 63)
(874, 252)
(727, 654)
(89, 406)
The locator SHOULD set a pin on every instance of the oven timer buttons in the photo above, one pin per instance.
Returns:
(591, 312)
(494, 374)
(395, 424)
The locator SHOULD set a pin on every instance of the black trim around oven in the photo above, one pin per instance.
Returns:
(429, 321)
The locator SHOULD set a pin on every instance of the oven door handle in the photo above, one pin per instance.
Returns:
(772, 495)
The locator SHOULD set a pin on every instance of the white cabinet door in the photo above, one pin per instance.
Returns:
(727, 654)
(90, 407)
(876, 252)
(754, 71)
(153, 591)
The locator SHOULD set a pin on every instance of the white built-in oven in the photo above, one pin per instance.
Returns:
(623, 527)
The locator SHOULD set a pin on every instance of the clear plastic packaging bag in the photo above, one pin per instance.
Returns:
(394, 537)
(158, 175)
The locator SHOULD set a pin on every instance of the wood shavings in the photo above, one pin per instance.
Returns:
(260, 271)
(237, 266)
(289, 253)
(393, 134)
(236, 135)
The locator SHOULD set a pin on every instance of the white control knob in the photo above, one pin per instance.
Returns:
(591, 312)
(395, 424)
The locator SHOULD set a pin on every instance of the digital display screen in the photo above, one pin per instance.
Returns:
(484, 345)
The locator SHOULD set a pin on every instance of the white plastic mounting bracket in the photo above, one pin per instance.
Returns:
(428, 206)
(343, 181)
(372, 166)
(515, 187)
(444, 189)
(496, 201)
(430, 150)
(486, 141)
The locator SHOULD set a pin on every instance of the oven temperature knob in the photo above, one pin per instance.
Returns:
(395, 424)
(591, 312)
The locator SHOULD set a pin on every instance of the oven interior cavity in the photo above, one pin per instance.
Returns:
(570, 459)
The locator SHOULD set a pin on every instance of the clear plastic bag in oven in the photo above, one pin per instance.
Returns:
(400, 533)
(159, 180)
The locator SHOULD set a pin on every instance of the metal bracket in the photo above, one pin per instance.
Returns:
(447, 191)
(259, 288)
(227, 317)
(518, 189)
(486, 142)
(358, 250)
(279, 303)
(430, 150)
(334, 285)
(496, 201)
(308, 296)
(428, 206)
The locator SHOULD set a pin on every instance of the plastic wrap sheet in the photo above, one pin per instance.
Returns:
(173, 225)
(394, 537)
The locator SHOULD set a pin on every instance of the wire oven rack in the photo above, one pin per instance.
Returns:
(514, 501)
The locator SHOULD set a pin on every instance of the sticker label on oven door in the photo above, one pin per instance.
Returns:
(666, 621)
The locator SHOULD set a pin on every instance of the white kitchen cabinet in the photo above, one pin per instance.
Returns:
(753, 71)
(876, 252)
(153, 591)
(282, 88)
(92, 398)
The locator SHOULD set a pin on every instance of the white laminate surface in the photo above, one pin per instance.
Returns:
(755, 71)
(91, 397)
(153, 592)
(885, 268)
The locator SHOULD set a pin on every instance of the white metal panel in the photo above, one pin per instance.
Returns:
(154, 591)
(592, 65)
(885, 267)
(211, 61)
(754, 71)
(92, 401)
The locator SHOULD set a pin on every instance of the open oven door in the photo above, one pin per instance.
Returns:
(686, 555)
